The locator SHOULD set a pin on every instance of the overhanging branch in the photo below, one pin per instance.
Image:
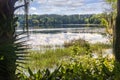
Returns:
(18, 7)
(24, 5)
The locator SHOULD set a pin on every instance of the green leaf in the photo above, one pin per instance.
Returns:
(30, 72)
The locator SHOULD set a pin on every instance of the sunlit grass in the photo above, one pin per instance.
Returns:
(48, 59)
(98, 47)
(51, 58)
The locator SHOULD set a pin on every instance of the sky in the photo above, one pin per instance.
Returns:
(67, 7)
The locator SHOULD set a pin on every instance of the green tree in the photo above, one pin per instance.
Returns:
(108, 17)
(10, 49)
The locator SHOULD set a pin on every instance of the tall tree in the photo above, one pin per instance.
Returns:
(108, 17)
(117, 34)
(10, 49)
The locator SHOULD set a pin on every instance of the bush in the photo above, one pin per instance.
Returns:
(79, 42)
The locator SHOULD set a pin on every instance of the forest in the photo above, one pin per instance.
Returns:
(54, 19)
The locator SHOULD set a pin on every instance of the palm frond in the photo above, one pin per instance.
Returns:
(13, 47)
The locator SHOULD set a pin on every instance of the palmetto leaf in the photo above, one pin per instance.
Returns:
(14, 56)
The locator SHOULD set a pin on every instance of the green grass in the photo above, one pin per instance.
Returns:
(82, 67)
(47, 59)
(76, 63)
(98, 47)
(52, 58)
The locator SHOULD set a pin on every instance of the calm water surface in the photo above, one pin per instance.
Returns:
(57, 36)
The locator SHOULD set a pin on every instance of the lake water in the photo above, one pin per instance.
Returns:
(57, 36)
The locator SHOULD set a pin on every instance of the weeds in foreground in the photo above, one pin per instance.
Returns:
(47, 59)
(52, 58)
(83, 67)
(77, 63)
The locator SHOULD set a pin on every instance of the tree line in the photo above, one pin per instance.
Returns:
(53, 19)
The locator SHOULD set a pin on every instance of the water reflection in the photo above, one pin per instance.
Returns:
(40, 39)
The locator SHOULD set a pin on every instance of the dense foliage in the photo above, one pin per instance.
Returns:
(108, 17)
(85, 67)
(38, 20)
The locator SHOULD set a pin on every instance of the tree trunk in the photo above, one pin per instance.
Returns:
(116, 40)
(10, 50)
(7, 33)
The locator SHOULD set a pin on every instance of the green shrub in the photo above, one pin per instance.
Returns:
(77, 42)
(79, 68)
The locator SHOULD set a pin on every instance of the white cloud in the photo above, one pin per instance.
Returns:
(66, 6)
(33, 9)
(35, 13)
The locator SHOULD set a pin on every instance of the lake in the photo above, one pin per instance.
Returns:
(57, 36)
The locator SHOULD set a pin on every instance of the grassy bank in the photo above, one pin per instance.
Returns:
(52, 58)
(47, 59)
(73, 62)
(78, 67)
